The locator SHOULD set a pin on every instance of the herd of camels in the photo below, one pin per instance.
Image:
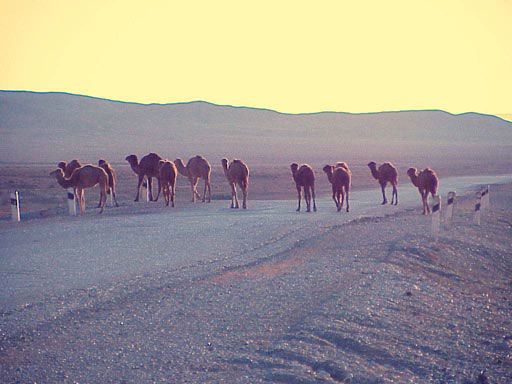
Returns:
(79, 177)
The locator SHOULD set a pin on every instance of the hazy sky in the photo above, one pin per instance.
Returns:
(292, 56)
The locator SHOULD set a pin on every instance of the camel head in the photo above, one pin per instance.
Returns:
(161, 162)
(328, 169)
(412, 172)
(57, 173)
(372, 165)
(224, 163)
(101, 162)
(131, 159)
(62, 165)
(294, 167)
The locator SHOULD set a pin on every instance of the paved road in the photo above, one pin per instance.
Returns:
(54, 256)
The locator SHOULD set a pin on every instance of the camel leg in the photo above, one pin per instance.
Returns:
(103, 199)
(81, 200)
(159, 188)
(209, 191)
(233, 192)
(113, 192)
(173, 192)
(395, 195)
(141, 178)
(244, 192)
(150, 188)
(307, 197)
(237, 205)
(424, 201)
(383, 188)
(204, 191)
(298, 197)
(342, 192)
(347, 193)
(313, 195)
(335, 197)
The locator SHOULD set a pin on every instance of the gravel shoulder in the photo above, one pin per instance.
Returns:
(375, 300)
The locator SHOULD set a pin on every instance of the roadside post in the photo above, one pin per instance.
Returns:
(71, 202)
(449, 208)
(478, 206)
(436, 216)
(15, 206)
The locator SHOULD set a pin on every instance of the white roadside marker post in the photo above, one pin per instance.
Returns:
(71, 202)
(15, 206)
(436, 216)
(147, 190)
(478, 206)
(449, 208)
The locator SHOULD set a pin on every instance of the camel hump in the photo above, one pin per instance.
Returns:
(199, 157)
(237, 161)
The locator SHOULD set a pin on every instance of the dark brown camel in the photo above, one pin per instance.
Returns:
(340, 179)
(112, 179)
(168, 174)
(386, 173)
(197, 168)
(304, 177)
(148, 166)
(427, 182)
(236, 173)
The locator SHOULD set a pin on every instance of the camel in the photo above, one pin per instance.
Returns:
(427, 182)
(84, 177)
(236, 173)
(196, 168)
(340, 178)
(386, 173)
(148, 166)
(111, 180)
(168, 174)
(68, 168)
(304, 177)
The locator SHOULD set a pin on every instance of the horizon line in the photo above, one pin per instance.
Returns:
(247, 107)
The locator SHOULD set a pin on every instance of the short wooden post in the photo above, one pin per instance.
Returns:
(478, 206)
(15, 206)
(71, 202)
(449, 208)
(436, 216)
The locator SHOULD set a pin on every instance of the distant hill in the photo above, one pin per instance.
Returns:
(48, 127)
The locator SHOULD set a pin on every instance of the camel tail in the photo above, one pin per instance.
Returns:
(225, 163)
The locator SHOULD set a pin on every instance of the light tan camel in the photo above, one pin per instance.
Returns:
(340, 178)
(427, 182)
(386, 173)
(68, 168)
(148, 166)
(237, 173)
(112, 179)
(196, 168)
(84, 177)
(168, 174)
(304, 177)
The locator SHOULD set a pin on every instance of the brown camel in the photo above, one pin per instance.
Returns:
(84, 177)
(386, 173)
(236, 173)
(168, 174)
(340, 178)
(68, 168)
(148, 166)
(111, 179)
(196, 168)
(427, 182)
(304, 177)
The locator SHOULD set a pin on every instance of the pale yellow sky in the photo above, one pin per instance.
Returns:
(353, 56)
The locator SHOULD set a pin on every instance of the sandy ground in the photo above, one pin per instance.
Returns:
(363, 299)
